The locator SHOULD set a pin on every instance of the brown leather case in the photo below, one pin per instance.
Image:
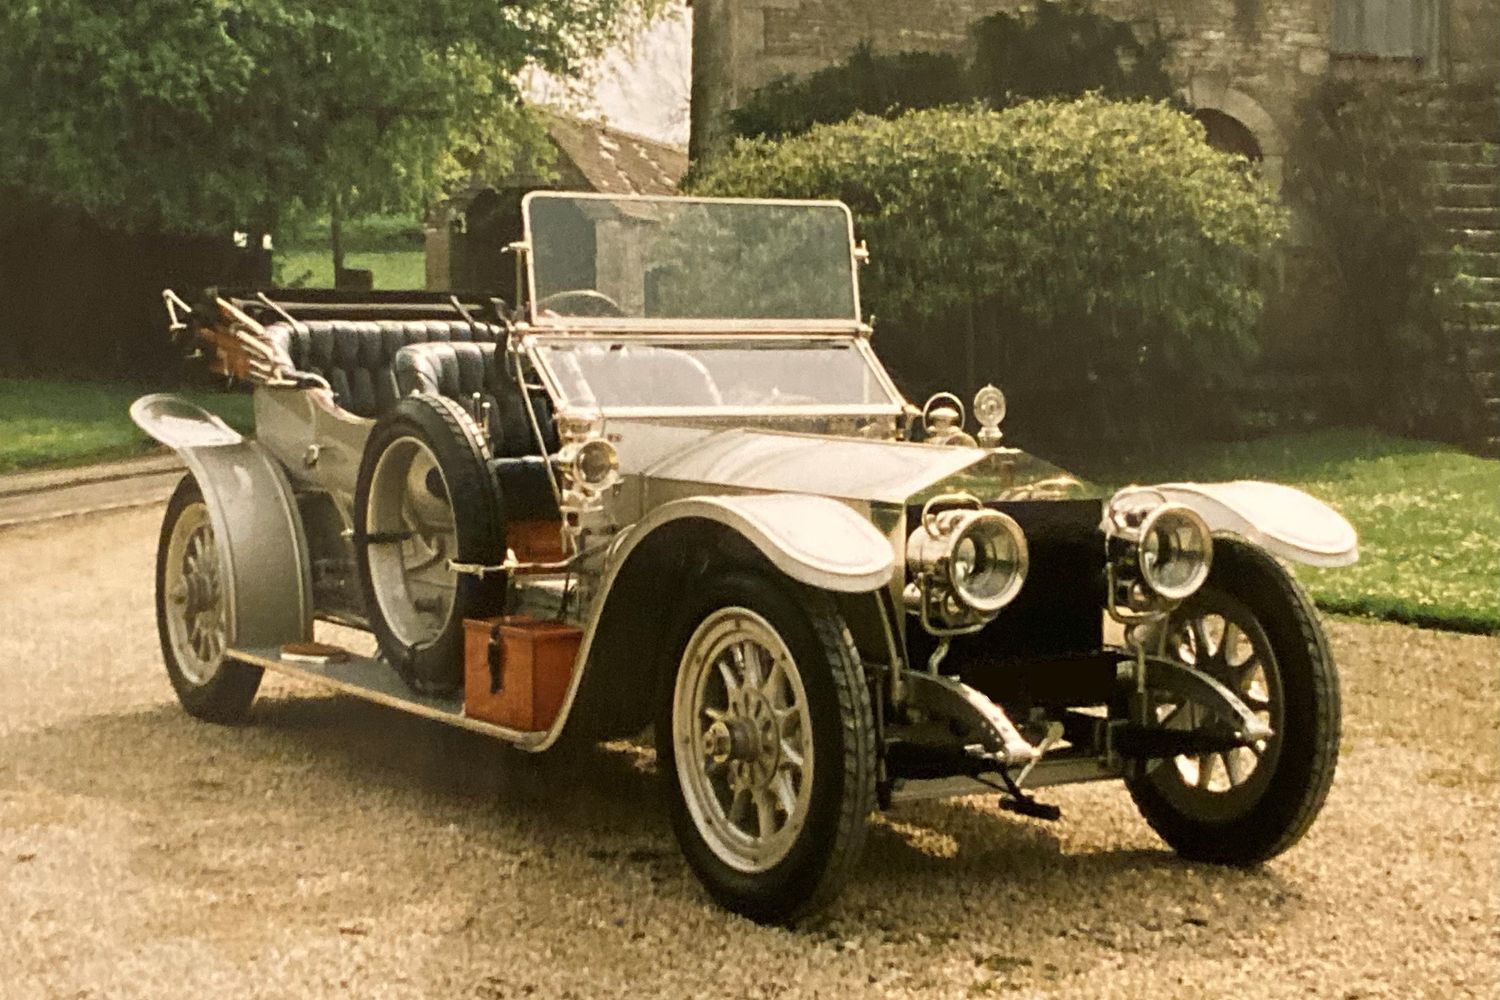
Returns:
(517, 669)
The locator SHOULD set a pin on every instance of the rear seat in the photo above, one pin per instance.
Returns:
(357, 357)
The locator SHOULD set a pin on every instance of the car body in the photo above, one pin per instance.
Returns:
(682, 454)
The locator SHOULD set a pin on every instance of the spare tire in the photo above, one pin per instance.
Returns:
(425, 496)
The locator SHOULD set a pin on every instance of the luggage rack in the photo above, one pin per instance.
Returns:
(229, 325)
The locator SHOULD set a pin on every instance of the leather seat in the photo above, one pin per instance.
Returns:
(458, 371)
(357, 357)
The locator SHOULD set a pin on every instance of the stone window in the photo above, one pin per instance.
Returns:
(1385, 29)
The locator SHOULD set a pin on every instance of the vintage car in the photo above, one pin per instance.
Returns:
(675, 488)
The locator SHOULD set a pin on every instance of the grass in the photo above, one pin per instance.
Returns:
(313, 268)
(1428, 517)
(390, 246)
(48, 423)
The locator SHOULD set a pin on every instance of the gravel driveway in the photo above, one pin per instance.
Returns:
(332, 848)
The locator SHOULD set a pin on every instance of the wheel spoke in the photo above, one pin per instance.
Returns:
(1206, 770)
(786, 796)
(1201, 651)
(731, 683)
(738, 805)
(1237, 767)
(764, 813)
(774, 682)
(791, 755)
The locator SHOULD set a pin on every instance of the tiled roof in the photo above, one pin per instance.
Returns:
(613, 161)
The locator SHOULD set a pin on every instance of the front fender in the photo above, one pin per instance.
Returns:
(813, 540)
(257, 527)
(1285, 522)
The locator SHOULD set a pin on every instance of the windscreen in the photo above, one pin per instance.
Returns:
(595, 259)
(741, 373)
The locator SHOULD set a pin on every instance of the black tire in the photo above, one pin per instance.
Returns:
(1279, 799)
(222, 690)
(822, 854)
(434, 665)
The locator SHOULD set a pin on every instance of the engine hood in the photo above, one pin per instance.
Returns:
(674, 461)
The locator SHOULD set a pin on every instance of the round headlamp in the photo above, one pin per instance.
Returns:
(979, 557)
(1174, 551)
(988, 562)
(594, 465)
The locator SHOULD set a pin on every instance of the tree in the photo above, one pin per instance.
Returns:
(199, 115)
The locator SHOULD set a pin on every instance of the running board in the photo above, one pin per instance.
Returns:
(375, 680)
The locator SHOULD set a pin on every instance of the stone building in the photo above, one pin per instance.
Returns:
(1244, 66)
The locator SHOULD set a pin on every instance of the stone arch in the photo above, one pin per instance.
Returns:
(1209, 94)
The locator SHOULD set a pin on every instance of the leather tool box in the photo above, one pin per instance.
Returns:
(517, 669)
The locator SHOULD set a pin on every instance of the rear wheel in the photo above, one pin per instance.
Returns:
(1252, 628)
(765, 740)
(191, 614)
(424, 498)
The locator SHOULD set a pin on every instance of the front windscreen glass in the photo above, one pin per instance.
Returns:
(612, 374)
(597, 260)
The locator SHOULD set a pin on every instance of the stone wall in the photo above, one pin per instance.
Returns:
(1253, 60)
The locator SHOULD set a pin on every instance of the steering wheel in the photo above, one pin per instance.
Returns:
(580, 302)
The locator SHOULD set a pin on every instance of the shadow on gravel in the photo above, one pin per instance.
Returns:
(354, 786)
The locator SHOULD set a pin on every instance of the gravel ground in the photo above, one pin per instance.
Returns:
(333, 848)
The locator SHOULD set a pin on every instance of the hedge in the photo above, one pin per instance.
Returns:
(1097, 260)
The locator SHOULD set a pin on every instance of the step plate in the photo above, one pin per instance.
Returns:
(377, 681)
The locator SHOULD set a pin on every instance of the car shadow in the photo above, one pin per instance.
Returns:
(316, 758)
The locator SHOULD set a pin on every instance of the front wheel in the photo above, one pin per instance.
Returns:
(1254, 629)
(192, 615)
(765, 740)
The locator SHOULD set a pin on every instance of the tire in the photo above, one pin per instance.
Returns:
(1197, 805)
(817, 706)
(190, 614)
(424, 496)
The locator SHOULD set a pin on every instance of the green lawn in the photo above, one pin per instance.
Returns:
(1428, 517)
(400, 269)
(51, 424)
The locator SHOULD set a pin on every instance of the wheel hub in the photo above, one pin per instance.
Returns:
(747, 739)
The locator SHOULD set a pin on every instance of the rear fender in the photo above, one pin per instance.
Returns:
(268, 590)
(1285, 522)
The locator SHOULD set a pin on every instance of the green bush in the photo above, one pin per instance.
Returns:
(1097, 260)
(1370, 277)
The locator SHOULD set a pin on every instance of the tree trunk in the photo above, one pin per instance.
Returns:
(336, 236)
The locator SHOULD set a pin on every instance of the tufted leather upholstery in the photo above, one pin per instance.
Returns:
(357, 357)
(458, 371)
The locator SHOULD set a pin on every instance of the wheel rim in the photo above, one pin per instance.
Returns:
(411, 519)
(194, 596)
(742, 739)
(1222, 637)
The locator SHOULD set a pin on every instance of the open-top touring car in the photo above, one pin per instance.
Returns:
(675, 487)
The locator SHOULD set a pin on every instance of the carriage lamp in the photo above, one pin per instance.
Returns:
(989, 410)
(966, 563)
(1159, 552)
(943, 421)
(593, 466)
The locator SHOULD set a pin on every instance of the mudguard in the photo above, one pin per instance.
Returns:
(812, 539)
(254, 514)
(1284, 521)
